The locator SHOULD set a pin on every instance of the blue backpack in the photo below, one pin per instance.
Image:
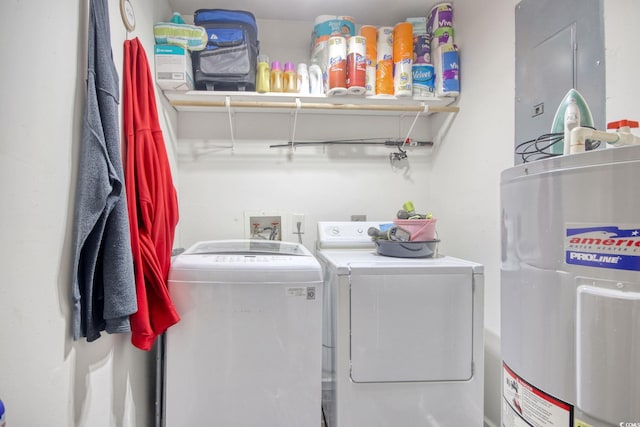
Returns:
(229, 61)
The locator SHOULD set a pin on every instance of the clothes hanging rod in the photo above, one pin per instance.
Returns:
(316, 106)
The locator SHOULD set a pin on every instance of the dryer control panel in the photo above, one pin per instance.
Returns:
(347, 234)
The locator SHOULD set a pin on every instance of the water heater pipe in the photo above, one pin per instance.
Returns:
(580, 134)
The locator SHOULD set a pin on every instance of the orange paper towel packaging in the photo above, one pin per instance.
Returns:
(402, 41)
(370, 33)
(384, 66)
(403, 59)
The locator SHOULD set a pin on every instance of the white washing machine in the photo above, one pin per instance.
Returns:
(403, 337)
(247, 350)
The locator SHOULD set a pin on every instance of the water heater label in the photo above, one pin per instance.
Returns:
(603, 246)
(527, 405)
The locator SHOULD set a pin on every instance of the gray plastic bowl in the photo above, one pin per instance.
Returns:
(407, 249)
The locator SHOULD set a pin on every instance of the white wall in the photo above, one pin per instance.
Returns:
(46, 379)
(622, 57)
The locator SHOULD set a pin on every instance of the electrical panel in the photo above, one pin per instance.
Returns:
(559, 46)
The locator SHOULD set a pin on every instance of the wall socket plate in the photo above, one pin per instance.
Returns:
(295, 219)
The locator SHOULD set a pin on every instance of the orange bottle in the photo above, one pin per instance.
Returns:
(277, 82)
(290, 78)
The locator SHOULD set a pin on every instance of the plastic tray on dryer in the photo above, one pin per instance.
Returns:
(407, 249)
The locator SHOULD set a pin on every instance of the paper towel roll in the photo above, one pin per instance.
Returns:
(384, 43)
(349, 23)
(440, 19)
(402, 41)
(423, 80)
(384, 67)
(323, 18)
(356, 65)
(403, 78)
(422, 49)
(370, 33)
(326, 26)
(370, 81)
(337, 72)
(447, 72)
(384, 77)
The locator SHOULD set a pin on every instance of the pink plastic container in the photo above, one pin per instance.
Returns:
(422, 230)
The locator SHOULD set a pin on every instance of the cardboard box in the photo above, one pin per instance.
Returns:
(173, 67)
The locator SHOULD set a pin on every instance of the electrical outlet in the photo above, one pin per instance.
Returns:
(263, 225)
(295, 219)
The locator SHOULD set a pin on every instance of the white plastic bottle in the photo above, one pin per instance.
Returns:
(303, 79)
(316, 84)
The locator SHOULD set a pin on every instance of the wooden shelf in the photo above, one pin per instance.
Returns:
(287, 102)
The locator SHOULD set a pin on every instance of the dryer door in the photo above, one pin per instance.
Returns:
(411, 324)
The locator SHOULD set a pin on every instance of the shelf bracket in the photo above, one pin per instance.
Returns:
(295, 122)
(425, 109)
(227, 104)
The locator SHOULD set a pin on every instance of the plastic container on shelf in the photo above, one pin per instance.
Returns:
(277, 79)
(303, 79)
(316, 84)
(290, 80)
(263, 77)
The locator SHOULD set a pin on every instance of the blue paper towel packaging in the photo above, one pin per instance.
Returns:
(447, 70)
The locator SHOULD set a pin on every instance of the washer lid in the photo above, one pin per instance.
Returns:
(245, 261)
(251, 246)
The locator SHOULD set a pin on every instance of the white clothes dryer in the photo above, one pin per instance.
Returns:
(402, 337)
(247, 350)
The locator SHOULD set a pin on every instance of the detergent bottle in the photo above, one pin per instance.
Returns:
(263, 75)
(290, 83)
(277, 81)
(316, 84)
(303, 79)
